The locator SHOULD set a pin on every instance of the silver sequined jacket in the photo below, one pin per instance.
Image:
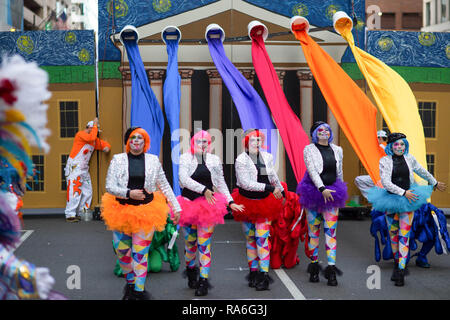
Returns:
(188, 165)
(117, 178)
(247, 174)
(386, 166)
(314, 163)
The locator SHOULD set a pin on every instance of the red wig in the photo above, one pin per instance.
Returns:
(254, 133)
(144, 134)
(202, 134)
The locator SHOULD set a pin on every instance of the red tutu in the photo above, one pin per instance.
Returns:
(199, 212)
(256, 209)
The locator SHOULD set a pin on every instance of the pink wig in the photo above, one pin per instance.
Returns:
(200, 135)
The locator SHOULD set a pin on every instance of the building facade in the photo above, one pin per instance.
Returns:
(84, 14)
(436, 16)
(396, 15)
(46, 14)
(11, 15)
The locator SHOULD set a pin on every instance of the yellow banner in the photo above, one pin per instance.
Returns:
(391, 92)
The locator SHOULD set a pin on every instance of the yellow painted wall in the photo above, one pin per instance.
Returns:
(110, 118)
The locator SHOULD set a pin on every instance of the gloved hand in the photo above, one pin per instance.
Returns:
(44, 282)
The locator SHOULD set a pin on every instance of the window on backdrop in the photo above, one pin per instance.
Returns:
(427, 111)
(427, 13)
(430, 163)
(68, 120)
(36, 183)
(444, 10)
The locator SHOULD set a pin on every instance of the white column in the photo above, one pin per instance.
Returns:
(306, 99)
(215, 112)
(185, 108)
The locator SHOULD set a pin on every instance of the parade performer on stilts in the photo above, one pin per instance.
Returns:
(261, 193)
(322, 192)
(133, 208)
(79, 186)
(203, 208)
(400, 197)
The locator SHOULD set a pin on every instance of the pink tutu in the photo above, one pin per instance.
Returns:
(199, 212)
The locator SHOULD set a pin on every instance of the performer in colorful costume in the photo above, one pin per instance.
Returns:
(400, 197)
(322, 192)
(287, 230)
(203, 208)
(23, 119)
(79, 186)
(429, 227)
(133, 208)
(261, 193)
(159, 251)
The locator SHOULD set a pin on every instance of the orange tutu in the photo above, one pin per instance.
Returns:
(132, 219)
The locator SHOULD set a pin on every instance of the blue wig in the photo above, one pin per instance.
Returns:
(388, 148)
(314, 134)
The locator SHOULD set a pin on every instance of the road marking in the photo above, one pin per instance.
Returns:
(23, 238)
(229, 242)
(295, 292)
(237, 269)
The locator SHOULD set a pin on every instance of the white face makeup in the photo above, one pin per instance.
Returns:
(137, 143)
(399, 147)
(254, 144)
(323, 133)
(201, 145)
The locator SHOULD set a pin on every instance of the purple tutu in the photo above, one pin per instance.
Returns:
(311, 198)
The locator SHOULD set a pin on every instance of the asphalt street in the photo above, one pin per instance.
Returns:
(85, 249)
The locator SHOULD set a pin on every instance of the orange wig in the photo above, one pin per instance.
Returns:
(144, 134)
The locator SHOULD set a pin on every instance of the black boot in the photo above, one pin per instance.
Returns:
(251, 278)
(202, 288)
(141, 295)
(395, 276)
(192, 275)
(262, 281)
(330, 275)
(313, 270)
(400, 278)
(128, 291)
(395, 272)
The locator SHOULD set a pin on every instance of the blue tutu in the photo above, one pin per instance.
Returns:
(384, 201)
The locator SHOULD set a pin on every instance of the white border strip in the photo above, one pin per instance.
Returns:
(23, 238)
(295, 292)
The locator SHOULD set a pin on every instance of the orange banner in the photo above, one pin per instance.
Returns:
(352, 109)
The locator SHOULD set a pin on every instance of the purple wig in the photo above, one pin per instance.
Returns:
(314, 133)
